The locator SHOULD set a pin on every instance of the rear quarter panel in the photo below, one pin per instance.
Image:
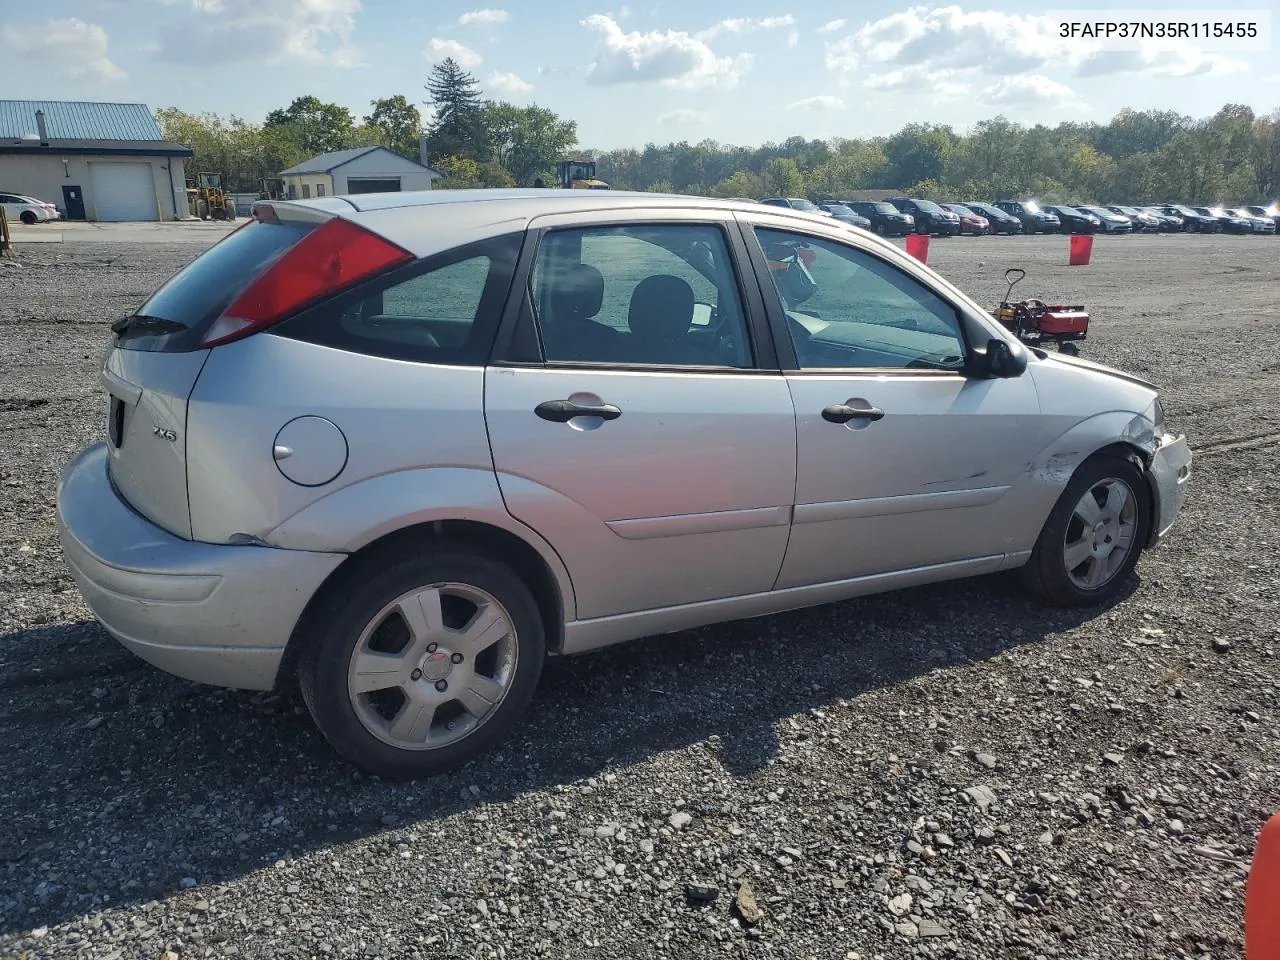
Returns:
(395, 415)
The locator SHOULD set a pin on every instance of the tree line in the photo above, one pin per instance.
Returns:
(1139, 156)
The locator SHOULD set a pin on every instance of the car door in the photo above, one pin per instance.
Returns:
(637, 420)
(904, 459)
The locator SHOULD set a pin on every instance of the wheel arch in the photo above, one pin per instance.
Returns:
(525, 560)
(1120, 434)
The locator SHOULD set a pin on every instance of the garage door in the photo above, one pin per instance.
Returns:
(123, 191)
(370, 185)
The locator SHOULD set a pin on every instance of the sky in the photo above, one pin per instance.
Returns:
(742, 72)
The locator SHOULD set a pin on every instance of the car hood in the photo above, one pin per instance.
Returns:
(1070, 361)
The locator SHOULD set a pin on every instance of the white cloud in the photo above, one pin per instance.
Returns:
(831, 26)
(673, 58)
(80, 47)
(745, 25)
(1175, 62)
(483, 17)
(507, 83)
(823, 102)
(1028, 90)
(217, 32)
(465, 56)
(684, 115)
(793, 38)
(940, 84)
(1001, 43)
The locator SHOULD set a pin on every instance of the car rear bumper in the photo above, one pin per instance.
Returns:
(1169, 473)
(211, 613)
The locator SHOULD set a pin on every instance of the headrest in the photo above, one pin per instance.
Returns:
(661, 308)
(577, 292)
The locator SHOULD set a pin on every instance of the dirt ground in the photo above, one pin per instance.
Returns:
(830, 759)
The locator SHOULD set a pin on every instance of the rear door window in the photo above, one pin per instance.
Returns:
(648, 294)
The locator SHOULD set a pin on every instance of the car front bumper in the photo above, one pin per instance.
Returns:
(1169, 472)
(216, 614)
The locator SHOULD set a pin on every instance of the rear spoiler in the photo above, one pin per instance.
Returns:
(314, 211)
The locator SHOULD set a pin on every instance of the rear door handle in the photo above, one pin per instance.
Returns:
(843, 413)
(562, 411)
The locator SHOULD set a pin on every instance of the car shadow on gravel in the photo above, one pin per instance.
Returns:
(120, 784)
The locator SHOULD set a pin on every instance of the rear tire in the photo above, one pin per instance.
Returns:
(27, 217)
(421, 662)
(1094, 535)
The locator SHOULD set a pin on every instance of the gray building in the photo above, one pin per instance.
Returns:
(358, 170)
(94, 161)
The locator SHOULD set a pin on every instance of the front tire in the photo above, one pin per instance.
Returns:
(422, 662)
(1094, 535)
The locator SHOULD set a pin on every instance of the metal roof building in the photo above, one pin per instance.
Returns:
(358, 170)
(95, 161)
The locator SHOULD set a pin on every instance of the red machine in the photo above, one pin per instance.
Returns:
(1035, 322)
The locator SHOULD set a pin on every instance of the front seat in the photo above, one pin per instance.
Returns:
(659, 318)
(576, 295)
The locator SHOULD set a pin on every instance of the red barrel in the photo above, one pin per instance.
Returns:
(1081, 249)
(1262, 896)
(918, 246)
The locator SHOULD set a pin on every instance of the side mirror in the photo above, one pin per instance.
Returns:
(1001, 361)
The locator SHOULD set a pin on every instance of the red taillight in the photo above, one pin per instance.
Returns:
(333, 257)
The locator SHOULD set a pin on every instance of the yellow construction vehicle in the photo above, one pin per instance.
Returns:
(579, 175)
(206, 198)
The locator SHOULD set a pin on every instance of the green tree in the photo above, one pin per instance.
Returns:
(526, 140)
(315, 126)
(919, 152)
(243, 153)
(1264, 153)
(399, 124)
(785, 177)
(741, 183)
(458, 126)
(1089, 174)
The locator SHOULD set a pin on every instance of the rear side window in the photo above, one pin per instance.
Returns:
(196, 295)
(444, 309)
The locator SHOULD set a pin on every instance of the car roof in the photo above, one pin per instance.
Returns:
(463, 215)
(511, 204)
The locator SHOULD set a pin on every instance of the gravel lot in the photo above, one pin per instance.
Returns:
(946, 771)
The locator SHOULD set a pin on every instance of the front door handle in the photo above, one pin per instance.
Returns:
(562, 411)
(843, 413)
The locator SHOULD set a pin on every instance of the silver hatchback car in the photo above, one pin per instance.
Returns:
(398, 448)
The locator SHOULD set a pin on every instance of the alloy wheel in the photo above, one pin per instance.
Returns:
(432, 666)
(1100, 533)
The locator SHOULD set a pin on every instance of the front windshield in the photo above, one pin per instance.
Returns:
(1069, 211)
(883, 207)
(1182, 209)
(928, 206)
(803, 204)
(960, 209)
(1032, 207)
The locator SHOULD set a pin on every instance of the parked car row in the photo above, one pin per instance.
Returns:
(899, 216)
